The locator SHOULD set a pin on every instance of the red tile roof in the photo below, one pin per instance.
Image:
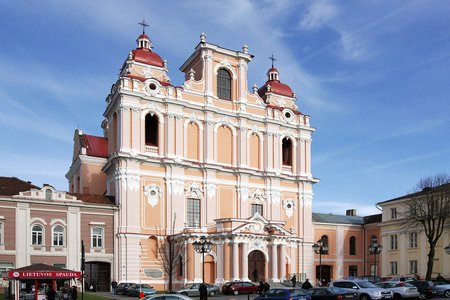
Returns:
(96, 145)
(10, 186)
(148, 57)
(96, 199)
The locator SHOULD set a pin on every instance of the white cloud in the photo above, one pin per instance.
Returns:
(319, 14)
(339, 207)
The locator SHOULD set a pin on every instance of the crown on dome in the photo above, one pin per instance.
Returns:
(143, 53)
(273, 84)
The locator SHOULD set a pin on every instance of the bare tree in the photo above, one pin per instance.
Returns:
(429, 209)
(169, 253)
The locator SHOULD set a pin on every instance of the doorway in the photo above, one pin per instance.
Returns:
(256, 265)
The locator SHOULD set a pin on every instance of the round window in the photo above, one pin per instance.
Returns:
(288, 115)
(152, 86)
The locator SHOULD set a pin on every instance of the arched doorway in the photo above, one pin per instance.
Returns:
(98, 276)
(256, 265)
(326, 274)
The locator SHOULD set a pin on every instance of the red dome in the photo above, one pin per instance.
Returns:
(272, 70)
(143, 36)
(276, 87)
(146, 56)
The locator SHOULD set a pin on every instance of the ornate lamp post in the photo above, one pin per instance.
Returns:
(202, 246)
(320, 249)
(375, 249)
(447, 249)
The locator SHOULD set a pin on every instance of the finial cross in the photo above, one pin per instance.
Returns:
(143, 24)
(272, 58)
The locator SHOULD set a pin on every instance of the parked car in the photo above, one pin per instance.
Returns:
(370, 278)
(364, 289)
(123, 287)
(167, 297)
(284, 294)
(407, 278)
(331, 293)
(425, 288)
(239, 287)
(136, 288)
(400, 289)
(192, 290)
(442, 289)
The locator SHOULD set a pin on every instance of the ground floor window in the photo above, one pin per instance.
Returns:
(353, 271)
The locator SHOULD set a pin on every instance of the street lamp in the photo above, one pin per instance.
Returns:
(202, 246)
(320, 248)
(447, 249)
(375, 249)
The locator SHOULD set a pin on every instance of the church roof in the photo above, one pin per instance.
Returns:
(146, 56)
(337, 219)
(96, 145)
(94, 199)
(10, 186)
(276, 87)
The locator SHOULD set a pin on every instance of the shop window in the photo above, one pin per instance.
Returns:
(193, 212)
(37, 234)
(58, 236)
(151, 130)
(257, 208)
(223, 84)
(287, 152)
(352, 245)
(97, 237)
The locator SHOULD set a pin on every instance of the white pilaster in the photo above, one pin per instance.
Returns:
(235, 260)
(274, 258)
(220, 260)
(282, 267)
(244, 261)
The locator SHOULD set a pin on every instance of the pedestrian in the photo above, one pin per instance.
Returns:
(266, 286)
(306, 285)
(203, 289)
(294, 280)
(402, 278)
(113, 286)
(74, 293)
(261, 288)
(51, 293)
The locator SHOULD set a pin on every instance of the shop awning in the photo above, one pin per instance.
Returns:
(42, 271)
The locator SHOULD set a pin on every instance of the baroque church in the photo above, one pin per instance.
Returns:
(208, 158)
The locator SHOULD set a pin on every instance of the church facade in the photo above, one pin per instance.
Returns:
(207, 158)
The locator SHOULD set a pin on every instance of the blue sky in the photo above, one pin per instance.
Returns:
(373, 75)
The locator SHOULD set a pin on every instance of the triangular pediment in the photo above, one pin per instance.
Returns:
(257, 224)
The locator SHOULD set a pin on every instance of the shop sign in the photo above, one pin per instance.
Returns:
(43, 275)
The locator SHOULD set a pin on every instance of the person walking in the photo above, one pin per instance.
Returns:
(261, 288)
(294, 280)
(203, 289)
(306, 285)
(113, 286)
(51, 294)
(74, 293)
(440, 277)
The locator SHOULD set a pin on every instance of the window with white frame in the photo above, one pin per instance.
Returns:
(394, 213)
(58, 236)
(413, 240)
(393, 267)
(394, 244)
(48, 194)
(97, 237)
(413, 266)
(37, 234)
(193, 212)
(257, 208)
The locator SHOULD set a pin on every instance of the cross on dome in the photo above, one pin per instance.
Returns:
(272, 58)
(143, 24)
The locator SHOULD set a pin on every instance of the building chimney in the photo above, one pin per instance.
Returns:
(350, 212)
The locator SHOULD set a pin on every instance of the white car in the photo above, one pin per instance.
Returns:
(364, 289)
(400, 289)
(442, 289)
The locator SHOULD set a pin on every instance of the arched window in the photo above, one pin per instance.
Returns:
(151, 130)
(325, 245)
(58, 236)
(36, 235)
(223, 84)
(287, 152)
(48, 194)
(352, 245)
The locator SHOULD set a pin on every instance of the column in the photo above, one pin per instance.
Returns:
(282, 262)
(220, 262)
(244, 261)
(235, 260)
(274, 258)
(170, 146)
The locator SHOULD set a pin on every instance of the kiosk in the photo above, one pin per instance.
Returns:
(32, 282)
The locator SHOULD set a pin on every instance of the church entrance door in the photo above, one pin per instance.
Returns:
(256, 265)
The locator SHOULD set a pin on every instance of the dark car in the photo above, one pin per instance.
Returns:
(122, 288)
(284, 294)
(135, 289)
(370, 278)
(331, 293)
(425, 288)
(239, 287)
